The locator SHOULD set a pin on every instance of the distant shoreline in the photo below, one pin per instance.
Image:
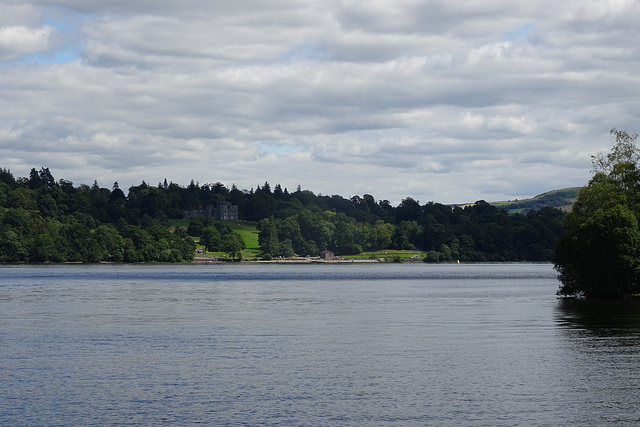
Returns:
(211, 260)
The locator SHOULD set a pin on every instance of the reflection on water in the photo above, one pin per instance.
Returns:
(600, 317)
(600, 348)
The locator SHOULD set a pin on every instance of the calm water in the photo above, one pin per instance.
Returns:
(311, 345)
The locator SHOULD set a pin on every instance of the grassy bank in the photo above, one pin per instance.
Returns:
(246, 229)
(388, 254)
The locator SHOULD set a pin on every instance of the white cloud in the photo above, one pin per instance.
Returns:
(443, 101)
(17, 41)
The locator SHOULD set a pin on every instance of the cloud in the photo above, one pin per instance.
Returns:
(18, 41)
(443, 101)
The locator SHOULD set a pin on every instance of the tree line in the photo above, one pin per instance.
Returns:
(44, 220)
(479, 232)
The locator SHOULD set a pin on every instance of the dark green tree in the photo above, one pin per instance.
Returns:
(599, 256)
(380, 236)
(195, 227)
(111, 241)
(408, 210)
(268, 237)
(42, 248)
(183, 247)
(347, 236)
(210, 238)
(12, 247)
(233, 244)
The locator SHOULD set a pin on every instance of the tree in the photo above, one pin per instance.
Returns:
(408, 210)
(286, 249)
(111, 241)
(599, 256)
(233, 244)
(183, 247)
(195, 227)
(46, 178)
(210, 238)
(624, 152)
(117, 197)
(77, 237)
(277, 191)
(7, 177)
(42, 248)
(11, 246)
(405, 234)
(268, 237)
(432, 257)
(34, 179)
(316, 227)
(266, 188)
(347, 236)
(381, 235)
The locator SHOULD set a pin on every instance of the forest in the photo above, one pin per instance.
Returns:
(44, 220)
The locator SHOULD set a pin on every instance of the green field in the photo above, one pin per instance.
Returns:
(388, 254)
(246, 229)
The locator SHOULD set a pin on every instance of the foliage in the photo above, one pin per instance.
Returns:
(45, 221)
(233, 244)
(95, 224)
(479, 232)
(599, 256)
(211, 238)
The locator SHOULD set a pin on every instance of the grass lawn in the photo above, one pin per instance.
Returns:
(246, 229)
(388, 253)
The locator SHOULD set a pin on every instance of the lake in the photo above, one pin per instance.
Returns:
(309, 345)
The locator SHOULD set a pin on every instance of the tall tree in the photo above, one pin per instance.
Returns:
(599, 256)
(233, 244)
(268, 237)
(210, 238)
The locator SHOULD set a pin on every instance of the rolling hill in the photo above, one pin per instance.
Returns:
(562, 199)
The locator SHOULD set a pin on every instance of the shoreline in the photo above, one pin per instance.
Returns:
(211, 260)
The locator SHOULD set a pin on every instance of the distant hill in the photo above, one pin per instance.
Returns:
(562, 199)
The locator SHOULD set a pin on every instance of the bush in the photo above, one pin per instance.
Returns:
(432, 257)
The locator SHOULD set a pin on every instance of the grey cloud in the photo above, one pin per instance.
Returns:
(443, 101)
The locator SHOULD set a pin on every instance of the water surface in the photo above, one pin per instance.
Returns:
(485, 344)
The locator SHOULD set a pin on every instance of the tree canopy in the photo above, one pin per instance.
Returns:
(599, 256)
(44, 220)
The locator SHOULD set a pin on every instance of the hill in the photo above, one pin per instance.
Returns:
(562, 199)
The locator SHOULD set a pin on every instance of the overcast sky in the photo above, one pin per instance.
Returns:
(446, 101)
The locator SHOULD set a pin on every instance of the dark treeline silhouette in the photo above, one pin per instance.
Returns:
(42, 220)
(599, 257)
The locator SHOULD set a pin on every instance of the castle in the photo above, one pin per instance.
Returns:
(223, 210)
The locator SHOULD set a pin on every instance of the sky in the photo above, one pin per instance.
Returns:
(446, 101)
